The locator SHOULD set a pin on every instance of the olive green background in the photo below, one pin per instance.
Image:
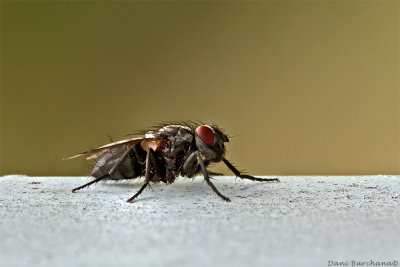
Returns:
(305, 87)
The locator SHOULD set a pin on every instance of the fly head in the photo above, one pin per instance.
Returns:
(210, 142)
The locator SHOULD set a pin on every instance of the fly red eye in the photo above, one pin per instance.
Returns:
(205, 134)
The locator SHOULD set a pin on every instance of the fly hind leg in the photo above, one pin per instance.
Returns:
(91, 182)
(111, 172)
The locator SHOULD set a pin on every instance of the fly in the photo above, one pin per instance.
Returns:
(162, 154)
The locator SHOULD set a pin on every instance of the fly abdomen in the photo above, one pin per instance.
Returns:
(120, 163)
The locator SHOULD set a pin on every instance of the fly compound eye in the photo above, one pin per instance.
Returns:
(205, 134)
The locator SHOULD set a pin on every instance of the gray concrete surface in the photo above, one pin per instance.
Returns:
(301, 221)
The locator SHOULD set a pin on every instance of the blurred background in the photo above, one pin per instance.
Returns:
(305, 87)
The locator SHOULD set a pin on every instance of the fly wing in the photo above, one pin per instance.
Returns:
(97, 152)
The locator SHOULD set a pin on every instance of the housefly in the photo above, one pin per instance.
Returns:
(163, 153)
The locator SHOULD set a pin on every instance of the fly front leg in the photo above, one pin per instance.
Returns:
(111, 172)
(146, 177)
(190, 166)
(207, 178)
(245, 176)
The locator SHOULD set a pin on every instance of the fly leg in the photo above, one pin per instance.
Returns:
(91, 182)
(190, 166)
(111, 172)
(146, 178)
(207, 178)
(138, 192)
(245, 176)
